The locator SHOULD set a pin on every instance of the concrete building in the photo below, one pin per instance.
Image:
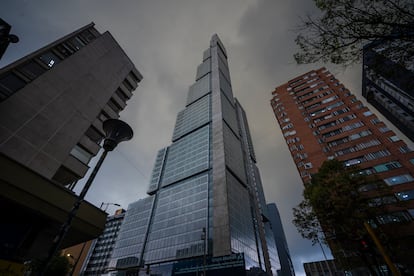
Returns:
(206, 205)
(320, 119)
(99, 254)
(388, 86)
(281, 242)
(324, 268)
(52, 105)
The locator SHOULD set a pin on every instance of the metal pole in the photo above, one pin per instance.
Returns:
(381, 249)
(65, 227)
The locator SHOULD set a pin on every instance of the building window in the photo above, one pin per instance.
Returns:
(387, 166)
(367, 113)
(394, 138)
(384, 129)
(354, 161)
(375, 121)
(308, 165)
(94, 135)
(394, 217)
(375, 202)
(398, 179)
(81, 154)
(405, 195)
(377, 154)
(360, 134)
(49, 58)
(32, 69)
(10, 83)
(114, 105)
(405, 149)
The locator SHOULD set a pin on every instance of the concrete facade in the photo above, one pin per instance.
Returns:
(52, 105)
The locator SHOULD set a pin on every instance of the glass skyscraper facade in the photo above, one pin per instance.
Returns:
(205, 195)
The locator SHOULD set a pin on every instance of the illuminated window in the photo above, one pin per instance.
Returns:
(405, 195)
(398, 179)
(49, 58)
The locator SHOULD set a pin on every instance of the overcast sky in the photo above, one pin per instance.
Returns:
(165, 40)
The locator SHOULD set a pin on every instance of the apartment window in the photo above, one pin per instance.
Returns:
(375, 202)
(346, 118)
(377, 154)
(394, 138)
(337, 142)
(387, 166)
(128, 85)
(32, 69)
(394, 217)
(367, 171)
(327, 125)
(353, 126)
(360, 134)
(384, 129)
(368, 144)
(77, 43)
(375, 121)
(121, 95)
(290, 133)
(308, 165)
(10, 83)
(368, 187)
(93, 134)
(412, 161)
(288, 126)
(81, 154)
(49, 58)
(367, 113)
(398, 179)
(405, 195)
(114, 105)
(354, 161)
(405, 149)
(332, 133)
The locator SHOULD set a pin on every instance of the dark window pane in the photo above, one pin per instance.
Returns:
(32, 70)
(121, 95)
(87, 36)
(64, 49)
(94, 135)
(10, 83)
(114, 106)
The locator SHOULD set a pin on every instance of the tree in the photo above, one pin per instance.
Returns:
(334, 199)
(345, 26)
(59, 266)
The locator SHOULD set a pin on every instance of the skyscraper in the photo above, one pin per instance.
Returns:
(320, 119)
(100, 252)
(281, 242)
(388, 86)
(206, 199)
(52, 105)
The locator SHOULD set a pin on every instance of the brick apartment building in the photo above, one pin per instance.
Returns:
(320, 120)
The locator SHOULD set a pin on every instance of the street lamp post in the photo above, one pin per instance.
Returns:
(116, 131)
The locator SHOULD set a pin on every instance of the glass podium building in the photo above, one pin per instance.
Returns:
(205, 195)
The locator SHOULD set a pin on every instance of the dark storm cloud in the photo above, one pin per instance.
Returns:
(165, 40)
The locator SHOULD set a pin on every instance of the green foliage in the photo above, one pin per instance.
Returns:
(345, 26)
(333, 199)
(59, 266)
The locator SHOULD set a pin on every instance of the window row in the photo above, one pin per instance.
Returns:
(16, 79)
